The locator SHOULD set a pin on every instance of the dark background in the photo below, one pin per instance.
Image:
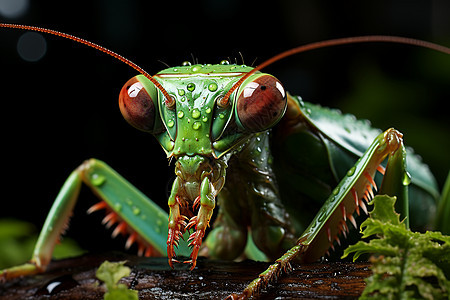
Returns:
(63, 109)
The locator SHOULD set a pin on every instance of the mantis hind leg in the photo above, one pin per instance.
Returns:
(350, 196)
(131, 211)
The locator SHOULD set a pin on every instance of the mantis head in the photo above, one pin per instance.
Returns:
(201, 128)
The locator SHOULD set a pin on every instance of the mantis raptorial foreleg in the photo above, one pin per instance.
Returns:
(135, 214)
(350, 196)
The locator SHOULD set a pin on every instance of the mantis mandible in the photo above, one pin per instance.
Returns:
(224, 124)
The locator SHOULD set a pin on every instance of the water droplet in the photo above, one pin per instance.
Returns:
(336, 190)
(196, 69)
(300, 101)
(57, 285)
(322, 215)
(136, 211)
(186, 63)
(406, 178)
(180, 114)
(208, 110)
(170, 123)
(159, 222)
(117, 206)
(180, 92)
(212, 87)
(222, 116)
(195, 113)
(224, 62)
(157, 229)
(97, 179)
(175, 70)
(196, 125)
(191, 87)
(205, 119)
(351, 171)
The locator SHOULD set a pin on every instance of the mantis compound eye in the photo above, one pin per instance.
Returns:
(260, 103)
(138, 104)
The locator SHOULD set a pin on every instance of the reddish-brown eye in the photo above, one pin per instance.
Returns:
(261, 104)
(136, 104)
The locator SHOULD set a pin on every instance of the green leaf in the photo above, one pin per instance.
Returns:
(110, 273)
(121, 293)
(383, 210)
(406, 264)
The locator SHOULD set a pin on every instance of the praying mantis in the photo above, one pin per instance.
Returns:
(216, 122)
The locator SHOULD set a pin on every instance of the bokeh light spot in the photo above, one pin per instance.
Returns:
(31, 46)
(13, 8)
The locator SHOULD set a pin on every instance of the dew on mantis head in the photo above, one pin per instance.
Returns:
(191, 87)
(212, 87)
(195, 113)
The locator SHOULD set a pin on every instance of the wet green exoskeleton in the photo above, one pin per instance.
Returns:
(267, 159)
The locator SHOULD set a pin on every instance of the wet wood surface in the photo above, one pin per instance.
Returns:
(152, 277)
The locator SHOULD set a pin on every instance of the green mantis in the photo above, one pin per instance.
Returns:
(238, 138)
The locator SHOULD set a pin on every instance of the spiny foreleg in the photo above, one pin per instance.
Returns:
(348, 197)
(201, 222)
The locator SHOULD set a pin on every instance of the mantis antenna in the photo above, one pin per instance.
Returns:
(224, 101)
(335, 42)
(169, 101)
